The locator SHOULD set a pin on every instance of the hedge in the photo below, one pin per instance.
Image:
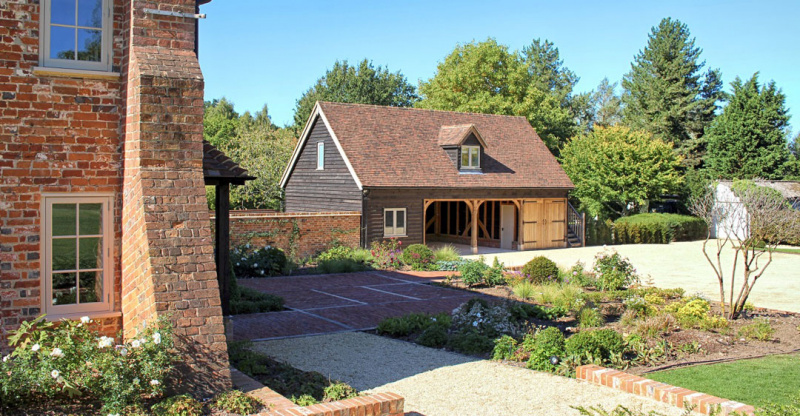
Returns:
(658, 228)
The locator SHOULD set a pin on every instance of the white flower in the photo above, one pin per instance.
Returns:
(154, 382)
(135, 344)
(35, 347)
(475, 323)
(85, 319)
(57, 353)
(255, 264)
(123, 351)
(157, 338)
(54, 373)
(105, 342)
(5, 359)
(113, 414)
(136, 380)
(142, 341)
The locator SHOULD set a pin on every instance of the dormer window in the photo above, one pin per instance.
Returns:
(463, 145)
(470, 157)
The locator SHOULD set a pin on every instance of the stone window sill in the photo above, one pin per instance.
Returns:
(75, 73)
(79, 315)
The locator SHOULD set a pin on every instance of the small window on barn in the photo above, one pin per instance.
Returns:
(470, 157)
(76, 243)
(320, 156)
(394, 222)
(76, 34)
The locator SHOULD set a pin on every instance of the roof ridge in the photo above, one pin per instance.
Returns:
(421, 109)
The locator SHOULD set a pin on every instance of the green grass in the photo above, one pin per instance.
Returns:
(788, 250)
(757, 382)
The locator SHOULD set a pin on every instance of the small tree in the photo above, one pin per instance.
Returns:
(754, 227)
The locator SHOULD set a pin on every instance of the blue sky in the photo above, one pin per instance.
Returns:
(257, 52)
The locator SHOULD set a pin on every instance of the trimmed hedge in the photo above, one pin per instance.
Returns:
(658, 229)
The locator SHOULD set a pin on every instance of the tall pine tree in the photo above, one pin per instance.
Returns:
(749, 139)
(666, 93)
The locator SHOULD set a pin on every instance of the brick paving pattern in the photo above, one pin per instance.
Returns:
(320, 304)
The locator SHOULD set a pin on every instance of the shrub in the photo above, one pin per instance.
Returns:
(434, 336)
(335, 266)
(446, 252)
(339, 391)
(546, 343)
(599, 344)
(760, 330)
(49, 363)
(577, 275)
(655, 326)
(182, 405)
(404, 326)
(658, 228)
(258, 262)
(471, 342)
(540, 269)
(386, 254)
(590, 318)
(504, 348)
(418, 256)
(564, 297)
(246, 300)
(613, 272)
(640, 306)
(345, 253)
(493, 276)
(472, 272)
(235, 401)
(449, 266)
(304, 400)
(693, 312)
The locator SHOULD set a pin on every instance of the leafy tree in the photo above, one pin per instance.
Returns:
(219, 121)
(547, 70)
(616, 169)
(360, 84)
(665, 94)
(748, 139)
(256, 144)
(485, 77)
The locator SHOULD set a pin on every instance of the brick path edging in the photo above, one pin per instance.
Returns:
(665, 393)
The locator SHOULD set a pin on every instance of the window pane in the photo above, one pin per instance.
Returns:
(388, 220)
(464, 157)
(401, 219)
(90, 13)
(63, 12)
(89, 44)
(475, 154)
(91, 287)
(62, 42)
(63, 253)
(90, 253)
(64, 288)
(90, 219)
(64, 219)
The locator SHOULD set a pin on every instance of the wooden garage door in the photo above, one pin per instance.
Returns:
(544, 223)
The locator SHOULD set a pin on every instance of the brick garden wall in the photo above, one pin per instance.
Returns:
(298, 234)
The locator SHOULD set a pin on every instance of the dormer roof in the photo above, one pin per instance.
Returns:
(456, 135)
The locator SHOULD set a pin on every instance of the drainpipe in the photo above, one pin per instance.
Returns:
(364, 222)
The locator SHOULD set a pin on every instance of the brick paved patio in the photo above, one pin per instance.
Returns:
(320, 304)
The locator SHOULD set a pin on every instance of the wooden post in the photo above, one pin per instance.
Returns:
(437, 215)
(474, 232)
(520, 224)
(223, 245)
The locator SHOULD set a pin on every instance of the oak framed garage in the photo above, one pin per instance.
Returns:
(423, 176)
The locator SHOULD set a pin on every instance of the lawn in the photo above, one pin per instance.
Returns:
(758, 382)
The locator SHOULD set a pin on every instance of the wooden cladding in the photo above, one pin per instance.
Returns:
(544, 223)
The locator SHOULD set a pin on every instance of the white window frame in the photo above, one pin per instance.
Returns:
(107, 26)
(469, 150)
(394, 230)
(321, 156)
(75, 310)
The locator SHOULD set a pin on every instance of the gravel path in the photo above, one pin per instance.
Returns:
(682, 264)
(440, 383)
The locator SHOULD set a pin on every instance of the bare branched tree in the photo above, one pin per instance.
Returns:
(752, 224)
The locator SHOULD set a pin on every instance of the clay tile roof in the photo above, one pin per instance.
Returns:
(455, 135)
(217, 166)
(400, 147)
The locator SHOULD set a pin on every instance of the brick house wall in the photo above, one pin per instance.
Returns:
(298, 234)
(134, 133)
